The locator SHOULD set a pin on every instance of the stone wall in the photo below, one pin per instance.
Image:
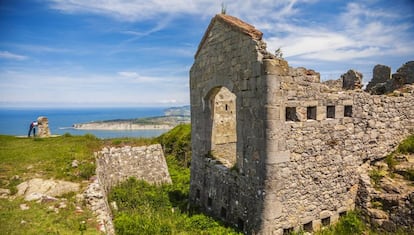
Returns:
(312, 163)
(115, 165)
(228, 57)
(382, 82)
(299, 142)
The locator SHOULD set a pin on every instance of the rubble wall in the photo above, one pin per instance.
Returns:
(312, 162)
(115, 165)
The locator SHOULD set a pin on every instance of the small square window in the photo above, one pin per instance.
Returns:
(330, 111)
(240, 224)
(308, 227)
(326, 221)
(288, 231)
(223, 212)
(209, 202)
(348, 111)
(311, 113)
(291, 114)
(342, 214)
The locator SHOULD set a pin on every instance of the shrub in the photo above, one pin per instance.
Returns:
(376, 176)
(86, 170)
(177, 142)
(351, 223)
(407, 145)
(67, 134)
(90, 136)
(391, 162)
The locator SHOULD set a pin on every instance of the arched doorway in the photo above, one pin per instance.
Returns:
(223, 132)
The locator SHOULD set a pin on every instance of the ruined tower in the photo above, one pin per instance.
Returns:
(273, 149)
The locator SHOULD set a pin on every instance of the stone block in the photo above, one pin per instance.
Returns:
(309, 103)
(277, 157)
(275, 66)
(320, 113)
(339, 112)
(272, 209)
(273, 112)
(347, 102)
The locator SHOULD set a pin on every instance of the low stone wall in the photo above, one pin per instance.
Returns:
(115, 165)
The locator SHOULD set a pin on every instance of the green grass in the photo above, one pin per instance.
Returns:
(349, 224)
(40, 219)
(407, 145)
(164, 209)
(46, 158)
(23, 159)
(177, 142)
(151, 209)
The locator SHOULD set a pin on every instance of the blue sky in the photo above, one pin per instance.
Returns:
(63, 53)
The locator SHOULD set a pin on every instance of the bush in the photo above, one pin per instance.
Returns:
(67, 134)
(86, 170)
(376, 176)
(391, 162)
(90, 136)
(351, 223)
(177, 142)
(407, 145)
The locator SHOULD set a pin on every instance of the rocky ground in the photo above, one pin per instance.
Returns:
(387, 193)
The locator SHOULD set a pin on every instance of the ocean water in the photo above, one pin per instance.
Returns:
(16, 121)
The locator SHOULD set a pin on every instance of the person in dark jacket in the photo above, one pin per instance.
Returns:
(33, 126)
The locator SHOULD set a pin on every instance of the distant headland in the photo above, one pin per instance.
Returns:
(172, 117)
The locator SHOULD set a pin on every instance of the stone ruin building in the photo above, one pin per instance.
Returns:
(273, 149)
(43, 126)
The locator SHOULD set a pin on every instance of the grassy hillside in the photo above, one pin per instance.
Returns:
(23, 159)
(143, 208)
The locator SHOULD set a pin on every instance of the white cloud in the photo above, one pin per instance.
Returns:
(135, 77)
(17, 86)
(128, 74)
(12, 56)
(360, 31)
(132, 10)
(139, 10)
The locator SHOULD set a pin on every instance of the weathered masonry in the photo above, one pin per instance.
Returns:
(274, 150)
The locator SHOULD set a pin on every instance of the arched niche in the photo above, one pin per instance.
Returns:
(223, 125)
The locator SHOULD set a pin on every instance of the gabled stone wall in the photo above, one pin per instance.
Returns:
(229, 58)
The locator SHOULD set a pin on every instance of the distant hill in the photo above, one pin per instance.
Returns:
(172, 117)
(178, 111)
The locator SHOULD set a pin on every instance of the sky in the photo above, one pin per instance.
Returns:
(93, 53)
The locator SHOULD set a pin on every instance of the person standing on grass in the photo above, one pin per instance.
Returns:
(33, 126)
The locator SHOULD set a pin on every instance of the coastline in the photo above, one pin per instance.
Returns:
(121, 126)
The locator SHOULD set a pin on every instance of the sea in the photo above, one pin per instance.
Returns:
(16, 121)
